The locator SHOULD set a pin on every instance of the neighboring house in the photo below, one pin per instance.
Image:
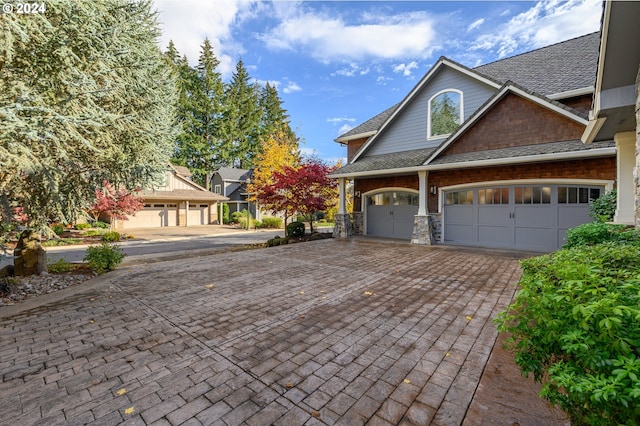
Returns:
(177, 202)
(232, 183)
(486, 156)
(615, 111)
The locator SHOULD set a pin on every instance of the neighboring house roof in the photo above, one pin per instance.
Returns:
(230, 174)
(181, 170)
(183, 194)
(563, 67)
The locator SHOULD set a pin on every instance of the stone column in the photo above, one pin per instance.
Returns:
(342, 227)
(626, 162)
(357, 224)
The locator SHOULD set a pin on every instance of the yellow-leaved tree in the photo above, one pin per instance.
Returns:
(278, 151)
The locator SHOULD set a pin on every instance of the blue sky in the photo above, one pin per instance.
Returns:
(338, 63)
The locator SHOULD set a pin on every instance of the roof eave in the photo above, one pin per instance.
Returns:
(344, 139)
(572, 93)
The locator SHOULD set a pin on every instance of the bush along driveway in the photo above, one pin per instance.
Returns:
(331, 331)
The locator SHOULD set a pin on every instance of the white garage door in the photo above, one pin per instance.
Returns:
(391, 214)
(153, 215)
(528, 217)
(198, 214)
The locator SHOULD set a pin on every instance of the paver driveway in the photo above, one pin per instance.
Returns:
(327, 332)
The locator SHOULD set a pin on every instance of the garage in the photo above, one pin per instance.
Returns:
(528, 217)
(152, 215)
(391, 214)
(198, 214)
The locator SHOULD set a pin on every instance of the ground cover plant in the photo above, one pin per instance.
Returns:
(575, 325)
(104, 257)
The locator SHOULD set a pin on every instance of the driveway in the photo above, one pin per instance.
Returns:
(326, 332)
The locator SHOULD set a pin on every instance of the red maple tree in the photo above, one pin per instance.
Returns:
(304, 190)
(116, 204)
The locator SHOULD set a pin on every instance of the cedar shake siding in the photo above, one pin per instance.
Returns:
(579, 103)
(353, 146)
(515, 121)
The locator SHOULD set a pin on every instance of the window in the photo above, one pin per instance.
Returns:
(493, 196)
(459, 197)
(445, 113)
(217, 189)
(577, 195)
(394, 198)
(533, 195)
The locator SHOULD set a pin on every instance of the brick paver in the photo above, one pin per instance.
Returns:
(327, 332)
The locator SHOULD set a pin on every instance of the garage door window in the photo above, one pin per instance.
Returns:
(394, 198)
(577, 195)
(493, 196)
(459, 197)
(533, 195)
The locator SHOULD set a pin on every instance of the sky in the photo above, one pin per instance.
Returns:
(338, 63)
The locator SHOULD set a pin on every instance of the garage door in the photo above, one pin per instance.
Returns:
(529, 217)
(391, 214)
(198, 214)
(153, 215)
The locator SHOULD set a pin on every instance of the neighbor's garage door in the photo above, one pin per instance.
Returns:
(198, 214)
(153, 215)
(534, 217)
(391, 214)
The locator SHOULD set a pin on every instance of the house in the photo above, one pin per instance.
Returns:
(177, 202)
(487, 156)
(615, 111)
(232, 183)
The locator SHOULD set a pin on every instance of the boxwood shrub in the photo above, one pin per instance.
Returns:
(295, 229)
(575, 325)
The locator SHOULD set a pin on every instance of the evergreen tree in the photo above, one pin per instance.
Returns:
(275, 121)
(85, 97)
(242, 115)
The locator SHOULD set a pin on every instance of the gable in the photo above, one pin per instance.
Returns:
(515, 121)
(408, 130)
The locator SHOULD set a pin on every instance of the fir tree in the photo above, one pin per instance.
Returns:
(85, 97)
(275, 120)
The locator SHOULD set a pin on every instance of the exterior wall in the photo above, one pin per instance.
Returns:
(217, 180)
(515, 121)
(598, 168)
(353, 147)
(409, 130)
(579, 103)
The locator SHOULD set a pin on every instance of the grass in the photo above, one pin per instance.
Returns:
(61, 242)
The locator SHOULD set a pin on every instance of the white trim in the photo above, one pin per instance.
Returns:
(592, 153)
(497, 97)
(592, 129)
(356, 136)
(461, 118)
(363, 200)
(417, 88)
(572, 93)
(604, 34)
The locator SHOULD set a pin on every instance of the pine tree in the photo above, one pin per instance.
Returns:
(85, 97)
(275, 121)
(242, 116)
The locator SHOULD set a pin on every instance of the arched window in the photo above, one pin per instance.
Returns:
(445, 113)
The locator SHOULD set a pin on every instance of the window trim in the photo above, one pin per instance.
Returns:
(459, 92)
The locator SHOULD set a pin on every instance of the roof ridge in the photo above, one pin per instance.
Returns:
(536, 50)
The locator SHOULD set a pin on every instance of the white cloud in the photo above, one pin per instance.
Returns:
(405, 69)
(352, 70)
(338, 120)
(475, 24)
(329, 38)
(547, 22)
(344, 129)
(292, 87)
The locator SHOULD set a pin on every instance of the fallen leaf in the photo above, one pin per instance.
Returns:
(447, 354)
(407, 381)
(91, 321)
(209, 286)
(121, 392)
(324, 297)
(129, 410)
(315, 413)
(288, 385)
(92, 299)
(302, 292)
(468, 318)
(368, 293)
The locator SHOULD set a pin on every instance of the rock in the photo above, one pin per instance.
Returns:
(29, 256)
(7, 271)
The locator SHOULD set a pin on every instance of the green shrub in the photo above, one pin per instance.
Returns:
(575, 325)
(81, 226)
(100, 225)
(272, 222)
(91, 233)
(111, 237)
(225, 213)
(277, 241)
(600, 232)
(61, 242)
(57, 228)
(604, 208)
(295, 229)
(59, 267)
(236, 216)
(104, 257)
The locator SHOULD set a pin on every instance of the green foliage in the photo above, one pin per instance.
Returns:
(100, 225)
(59, 267)
(111, 237)
(604, 208)
(91, 233)
(445, 113)
(272, 222)
(104, 257)
(600, 232)
(82, 226)
(295, 229)
(86, 96)
(61, 242)
(277, 241)
(57, 229)
(575, 325)
(225, 213)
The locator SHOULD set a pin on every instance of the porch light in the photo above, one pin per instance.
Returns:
(433, 190)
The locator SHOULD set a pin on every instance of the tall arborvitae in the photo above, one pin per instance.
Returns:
(86, 96)
(242, 114)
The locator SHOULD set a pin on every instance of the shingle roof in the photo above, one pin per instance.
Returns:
(181, 170)
(521, 151)
(396, 160)
(228, 173)
(558, 68)
(183, 194)
(371, 124)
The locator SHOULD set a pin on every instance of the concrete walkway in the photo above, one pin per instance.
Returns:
(326, 332)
